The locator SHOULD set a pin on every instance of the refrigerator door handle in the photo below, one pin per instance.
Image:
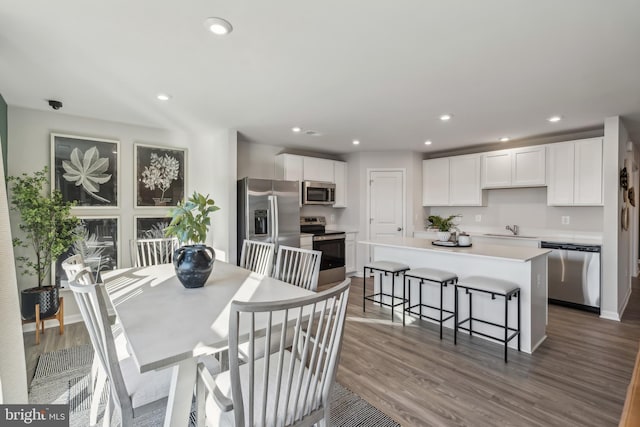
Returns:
(275, 219)
(272, 218)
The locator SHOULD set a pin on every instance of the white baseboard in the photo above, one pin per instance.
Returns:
(625, 302)
(610, 315)
(355, 274)
(536, 345)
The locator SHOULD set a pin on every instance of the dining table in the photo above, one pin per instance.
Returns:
(168, 325)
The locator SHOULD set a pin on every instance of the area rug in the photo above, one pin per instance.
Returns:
(63, 377)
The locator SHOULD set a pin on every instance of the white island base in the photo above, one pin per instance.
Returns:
(527, 267)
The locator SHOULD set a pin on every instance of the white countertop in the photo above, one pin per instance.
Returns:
(511, 253)
(306, 234)
(585, 238)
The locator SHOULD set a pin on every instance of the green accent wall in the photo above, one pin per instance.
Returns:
(3, 131)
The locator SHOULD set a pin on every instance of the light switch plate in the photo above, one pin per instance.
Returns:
(478, 218)
(566, 220)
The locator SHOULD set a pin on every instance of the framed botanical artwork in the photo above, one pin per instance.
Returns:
(160, 174)
(85, 170)
(150, 227)
(98, 243)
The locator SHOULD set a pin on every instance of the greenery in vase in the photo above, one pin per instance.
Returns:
(190, 219)
(47, 223)
(442, 224)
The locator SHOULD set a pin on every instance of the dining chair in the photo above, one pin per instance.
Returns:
(72, 265)
(257, 256)
(299, 267)
(290, 387)
(146, 252)
(134, 393)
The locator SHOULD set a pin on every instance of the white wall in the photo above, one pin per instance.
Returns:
(211, 168)
(525, 207)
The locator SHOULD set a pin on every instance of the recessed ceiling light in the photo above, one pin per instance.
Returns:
(554, 119)
(445, 117)
(218, 26)
(504, 139)
(356, 142)
(296, 129)
(163, 97)
(427, 143)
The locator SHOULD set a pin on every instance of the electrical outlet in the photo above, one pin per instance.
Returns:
(478, 218)
(566, 220)
(332, 219)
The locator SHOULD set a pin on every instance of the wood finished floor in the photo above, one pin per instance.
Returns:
(578, 377)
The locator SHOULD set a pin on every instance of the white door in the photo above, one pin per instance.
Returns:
(386, 204)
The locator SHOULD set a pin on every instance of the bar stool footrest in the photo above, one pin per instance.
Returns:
(379, 301)
(502, 340)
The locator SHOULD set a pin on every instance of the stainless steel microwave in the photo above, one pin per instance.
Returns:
(318, 193)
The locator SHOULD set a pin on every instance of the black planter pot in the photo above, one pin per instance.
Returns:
(193, 264)
(46, 296)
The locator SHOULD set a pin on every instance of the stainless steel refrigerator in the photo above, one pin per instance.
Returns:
(268, 211)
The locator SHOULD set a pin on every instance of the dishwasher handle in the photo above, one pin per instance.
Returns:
(570, 247)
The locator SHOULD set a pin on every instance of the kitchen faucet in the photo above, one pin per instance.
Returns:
(513, 229)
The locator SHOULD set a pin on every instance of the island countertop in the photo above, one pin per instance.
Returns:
(478, 249)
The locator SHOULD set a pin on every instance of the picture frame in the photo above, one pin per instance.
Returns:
(160, 175)
(86, 170)
(150, 226)
(99, 247)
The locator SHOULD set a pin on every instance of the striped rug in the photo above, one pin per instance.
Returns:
(63, 377)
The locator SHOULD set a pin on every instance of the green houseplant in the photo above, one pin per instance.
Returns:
(48, 229)
(443, 225)
(190, 223)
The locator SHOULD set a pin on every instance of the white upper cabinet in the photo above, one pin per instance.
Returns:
(315, 169)
(517, 167)
(452, 181)
(575, 173)
(289, 168)
(340, 179)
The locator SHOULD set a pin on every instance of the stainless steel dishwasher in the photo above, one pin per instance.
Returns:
(574, 275)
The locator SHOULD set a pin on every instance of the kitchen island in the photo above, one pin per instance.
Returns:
(525, 266)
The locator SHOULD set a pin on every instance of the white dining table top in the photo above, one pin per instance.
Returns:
(165, 323)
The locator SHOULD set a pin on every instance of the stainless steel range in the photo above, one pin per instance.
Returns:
(332, 246)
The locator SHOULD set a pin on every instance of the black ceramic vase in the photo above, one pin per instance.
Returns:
(193, 264)
(46, 296)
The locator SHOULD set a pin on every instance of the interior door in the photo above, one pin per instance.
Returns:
(386, 208)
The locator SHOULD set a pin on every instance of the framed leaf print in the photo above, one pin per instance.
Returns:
(150, 227)
(85, 170)
(160, 174)
(98, 243)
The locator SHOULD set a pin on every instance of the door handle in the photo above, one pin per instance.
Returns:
(399, 228)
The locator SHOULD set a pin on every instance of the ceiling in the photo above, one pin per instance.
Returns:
(358, 69)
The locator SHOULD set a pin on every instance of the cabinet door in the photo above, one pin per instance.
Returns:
(289, 168)
(315, 169)
(340, 177)
(464, 181)
(561, 159)
(350, 253)
(496, 169)
(588, 172)
(528, 167)
(435, 182)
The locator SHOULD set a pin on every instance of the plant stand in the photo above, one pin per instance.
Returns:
(59, 316)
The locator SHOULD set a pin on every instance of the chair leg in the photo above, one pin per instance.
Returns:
(506, 326)
(455, 315)
(98, 389)
(519, 321)
(470, 315)
(441, 310)
(364, 288)
(404, 297)
(108, 412)
(393, 292)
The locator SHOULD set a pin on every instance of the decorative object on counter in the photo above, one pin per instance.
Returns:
(624, 179)
(189, 224)
(632, 197)
(464, 239)
(624, 219)
(450, 243)
(443, 225)
(48, 228)
(160, 175)
(85, 170)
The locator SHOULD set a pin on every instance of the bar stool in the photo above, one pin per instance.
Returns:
(386, 267)
(493, 287)
(429, 276)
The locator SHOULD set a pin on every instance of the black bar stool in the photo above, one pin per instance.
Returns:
(386, 267)
(429, 276)
(493, 287)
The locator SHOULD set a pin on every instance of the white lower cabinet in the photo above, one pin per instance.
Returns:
(350, 253)
(306, 241)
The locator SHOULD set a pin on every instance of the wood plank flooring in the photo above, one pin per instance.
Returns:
(578, 377)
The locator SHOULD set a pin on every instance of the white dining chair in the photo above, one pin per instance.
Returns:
(146, 252)
(132, 392)
(257, 256)
(290, 387)
(299, 267)
(72, 265)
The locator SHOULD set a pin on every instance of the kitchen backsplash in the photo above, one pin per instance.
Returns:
(526, 207)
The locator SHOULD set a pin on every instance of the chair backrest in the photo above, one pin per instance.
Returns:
(257, 256)
(293, 385)
(93, 308)
(146, 252)
(300, 267)
(73, 265)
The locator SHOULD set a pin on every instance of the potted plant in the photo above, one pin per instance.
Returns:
(49, 230)
(190, 223)
(443, 225)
